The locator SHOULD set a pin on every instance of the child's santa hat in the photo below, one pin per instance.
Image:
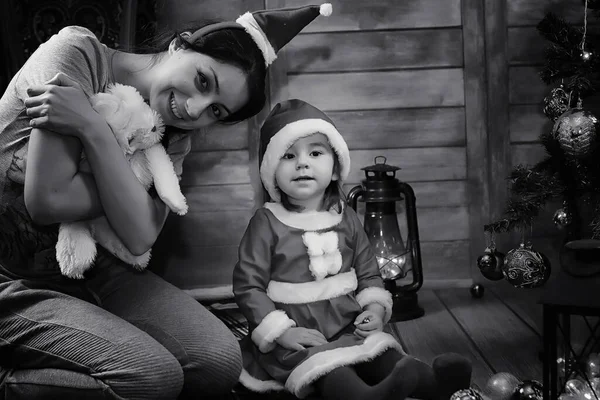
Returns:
(270, 29)
(289, 121)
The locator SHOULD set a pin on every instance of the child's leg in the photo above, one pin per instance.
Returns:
(414, 374)
(449, 373)
(344, 384)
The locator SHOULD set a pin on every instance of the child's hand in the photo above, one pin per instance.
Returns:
(61, 106)
(298, 338)
(367, 323)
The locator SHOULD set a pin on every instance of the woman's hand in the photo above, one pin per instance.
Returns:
(60, 105)
(367, 323)
(299, 338)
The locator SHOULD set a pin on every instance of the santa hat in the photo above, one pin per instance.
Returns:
(289, 121)
(270, 29)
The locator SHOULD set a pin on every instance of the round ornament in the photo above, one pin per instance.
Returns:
(556, 103)
(477, 290)
(592, 366)
(562, 218)
(575, 131)
(490, 264)
(501, 386)
(529, 390)
(526, 268)
(466, 394)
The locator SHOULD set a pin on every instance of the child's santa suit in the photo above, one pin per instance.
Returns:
(314, 270)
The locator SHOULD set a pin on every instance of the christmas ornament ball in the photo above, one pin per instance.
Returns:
(556, 103)
(501, 386)
(477, 290)
(466, 394)
(526, 268)
(562, 218)
(529, 390)
(575, 130)
(493, 269)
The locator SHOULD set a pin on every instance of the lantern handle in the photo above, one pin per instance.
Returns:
(384, 159)
(353, 195)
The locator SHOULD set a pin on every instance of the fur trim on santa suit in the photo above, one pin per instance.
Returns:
(289, 121)
(379, 296)
(273, 325)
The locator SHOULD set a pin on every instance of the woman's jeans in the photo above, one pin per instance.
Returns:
(118, 334)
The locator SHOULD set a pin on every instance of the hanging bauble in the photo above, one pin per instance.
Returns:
(575, 386)
(592, 366)
(526, 268)
(529, 390)
(501, 386)
(490, 264)
(477, 290)
(556, 103)
(575, 131)
(562, 218)
(466, 394)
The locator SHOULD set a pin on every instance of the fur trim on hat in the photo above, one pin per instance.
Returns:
(287, 136)
(256, 33)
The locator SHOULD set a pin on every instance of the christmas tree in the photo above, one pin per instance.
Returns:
(570, 171)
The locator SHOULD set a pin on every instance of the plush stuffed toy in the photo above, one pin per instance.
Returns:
(139, 131)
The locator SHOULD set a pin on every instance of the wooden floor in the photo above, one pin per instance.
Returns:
(500, 332)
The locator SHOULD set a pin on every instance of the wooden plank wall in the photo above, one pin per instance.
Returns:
(405, 80)
(391, 76)
(445, 89)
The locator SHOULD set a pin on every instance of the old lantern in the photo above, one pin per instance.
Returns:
(399, 261)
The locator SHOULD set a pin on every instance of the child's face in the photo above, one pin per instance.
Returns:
(305, 171)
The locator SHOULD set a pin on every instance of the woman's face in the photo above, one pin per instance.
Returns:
(191, 90)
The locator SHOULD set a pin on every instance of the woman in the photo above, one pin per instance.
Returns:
(118, 333)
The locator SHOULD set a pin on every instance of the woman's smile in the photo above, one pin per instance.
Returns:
(174, 108)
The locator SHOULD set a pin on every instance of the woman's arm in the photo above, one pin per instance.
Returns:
(57, 191)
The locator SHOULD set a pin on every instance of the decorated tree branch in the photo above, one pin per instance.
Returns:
(570, 171)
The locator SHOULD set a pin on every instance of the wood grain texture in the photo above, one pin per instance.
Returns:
(525, 46)
(497, 104)
(525, 86)
(418, 164)
(433, 194)
(478, 169)
(352, 15)
(508, 344)
(216, 167)
(438, 332)
(527, 153)
(179, 14)
(527, 123)
(221, 137)
(195, 266)
(377, 90)
(398, 128)
(530, 12)
(375, 50)
(220, 197)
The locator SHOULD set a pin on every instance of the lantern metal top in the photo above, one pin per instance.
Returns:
(380, 169)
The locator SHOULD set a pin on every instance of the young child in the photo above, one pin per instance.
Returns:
(308, 283)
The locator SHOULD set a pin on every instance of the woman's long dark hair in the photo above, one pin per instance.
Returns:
(229, 46)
